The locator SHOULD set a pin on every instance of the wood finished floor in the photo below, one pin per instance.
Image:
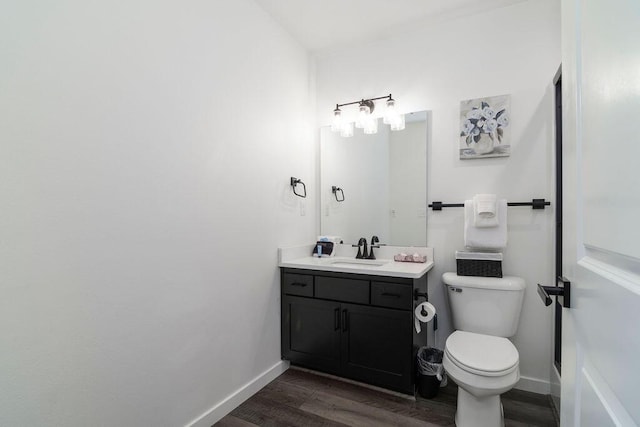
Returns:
(300, 398)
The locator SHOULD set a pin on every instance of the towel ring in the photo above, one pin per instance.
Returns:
(296, 181)
(335, 190)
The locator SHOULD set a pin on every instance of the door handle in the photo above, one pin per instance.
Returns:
(562, 291)
(336, 319)
(345, 320)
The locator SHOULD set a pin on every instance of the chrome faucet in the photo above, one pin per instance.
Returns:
(362, 243)
(374, 240)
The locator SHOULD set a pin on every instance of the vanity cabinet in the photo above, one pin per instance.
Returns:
(356, 326)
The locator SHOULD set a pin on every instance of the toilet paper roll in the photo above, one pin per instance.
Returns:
(419, 317)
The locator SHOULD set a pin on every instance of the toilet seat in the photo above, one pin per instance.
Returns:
(483, 355)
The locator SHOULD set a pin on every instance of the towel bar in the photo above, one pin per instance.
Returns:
(535, 204)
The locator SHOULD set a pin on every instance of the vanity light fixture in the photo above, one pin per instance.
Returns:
(365, 119)
(337, 124)
(371, 125)
(347, 130)
(392, 117)
(364, 114)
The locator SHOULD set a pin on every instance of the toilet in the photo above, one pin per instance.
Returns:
(478, 357)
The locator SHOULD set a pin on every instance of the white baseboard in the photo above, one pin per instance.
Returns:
(219, 410)
(533, 385)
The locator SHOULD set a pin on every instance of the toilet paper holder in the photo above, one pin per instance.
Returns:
(417, 294)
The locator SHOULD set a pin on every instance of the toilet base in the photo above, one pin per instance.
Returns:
(478, 411)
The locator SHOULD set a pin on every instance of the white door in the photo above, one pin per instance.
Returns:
(601, 255)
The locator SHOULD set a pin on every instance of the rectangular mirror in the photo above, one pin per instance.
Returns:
(383, 181)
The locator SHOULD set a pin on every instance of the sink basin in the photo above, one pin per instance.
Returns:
(356, 263)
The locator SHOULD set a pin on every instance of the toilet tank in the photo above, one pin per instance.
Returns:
(485, 305)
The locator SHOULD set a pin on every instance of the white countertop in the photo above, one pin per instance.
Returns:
(345, 261)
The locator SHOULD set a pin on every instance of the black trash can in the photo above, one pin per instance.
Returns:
(430, 371)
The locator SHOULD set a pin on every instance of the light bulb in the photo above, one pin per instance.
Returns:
(391, 112)
(363, 115)
(391, 116)
(336, 125)
(398, 123)
(346, 130)
(371, 126)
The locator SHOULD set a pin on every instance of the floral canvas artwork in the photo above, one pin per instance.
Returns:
(484, 127)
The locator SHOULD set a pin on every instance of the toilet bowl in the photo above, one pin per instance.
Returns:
(484, 367)
(478, 357)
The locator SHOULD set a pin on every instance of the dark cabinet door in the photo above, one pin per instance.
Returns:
(376, 346)
(311, 333)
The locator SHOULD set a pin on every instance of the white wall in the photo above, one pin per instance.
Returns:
(514, 50)
(145, 155)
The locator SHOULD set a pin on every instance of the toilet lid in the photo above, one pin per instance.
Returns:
(482, 354)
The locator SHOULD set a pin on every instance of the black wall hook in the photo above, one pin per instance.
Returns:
(296, 181)
(335, 190)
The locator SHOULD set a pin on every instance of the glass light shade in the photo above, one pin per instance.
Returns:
(398, 123)
(346, 130)
(363, 115)
(371, 126)
(336, 125)
(391, 112)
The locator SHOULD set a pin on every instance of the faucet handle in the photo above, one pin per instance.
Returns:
(375, 242)
(359, 256)
(362, 243)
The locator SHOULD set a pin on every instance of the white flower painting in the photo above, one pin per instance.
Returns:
(484, 127)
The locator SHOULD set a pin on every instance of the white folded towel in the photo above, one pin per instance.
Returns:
(487, 238)
(484, 210)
